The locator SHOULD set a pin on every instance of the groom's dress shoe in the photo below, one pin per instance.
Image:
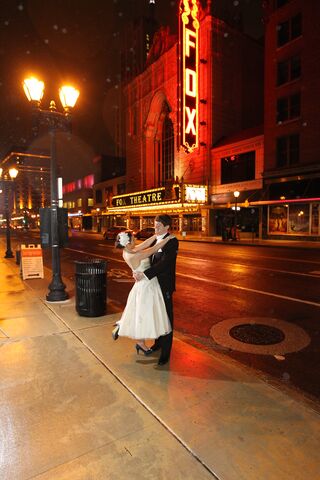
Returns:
(163, 361)
(155, 348)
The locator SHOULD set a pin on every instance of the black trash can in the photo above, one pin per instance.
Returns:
(91, 288)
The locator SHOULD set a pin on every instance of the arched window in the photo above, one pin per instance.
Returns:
(167, 163)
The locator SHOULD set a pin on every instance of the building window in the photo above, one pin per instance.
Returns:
(134, 129)
(108, 192)
(299, 218)
(280, 3)
(167, 150)
(79, 202)
(238, 168)
(289, 30)
(121, 188)
(288, 150)
(90, 202)
(288, 108)
(288, 70)
(98, 196)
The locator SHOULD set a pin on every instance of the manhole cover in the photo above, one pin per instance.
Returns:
(257, 334)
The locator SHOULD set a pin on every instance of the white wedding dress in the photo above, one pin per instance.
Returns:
(145, 315)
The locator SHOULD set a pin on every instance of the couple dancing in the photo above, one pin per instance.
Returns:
(149, 310)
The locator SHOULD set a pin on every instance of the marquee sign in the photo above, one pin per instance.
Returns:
(148, 197)
(189, 27)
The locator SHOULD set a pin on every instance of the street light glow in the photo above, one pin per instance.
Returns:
(33, 88)
(13, 172)
(68, 96)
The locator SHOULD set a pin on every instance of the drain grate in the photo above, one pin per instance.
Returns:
(257, 334)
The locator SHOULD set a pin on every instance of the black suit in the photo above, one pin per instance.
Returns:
(163, 266)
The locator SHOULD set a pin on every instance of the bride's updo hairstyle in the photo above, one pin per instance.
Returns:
(123, 238)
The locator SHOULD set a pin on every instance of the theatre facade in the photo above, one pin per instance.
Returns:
(185, 101)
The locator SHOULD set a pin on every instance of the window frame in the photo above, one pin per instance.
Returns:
(289, 25)
(288, 106)
(167, 150)
(246, 171)
(289, 65)
(287, 150)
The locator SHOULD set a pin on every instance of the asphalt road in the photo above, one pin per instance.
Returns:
(220, 286)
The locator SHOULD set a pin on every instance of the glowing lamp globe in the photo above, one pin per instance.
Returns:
(33, 88)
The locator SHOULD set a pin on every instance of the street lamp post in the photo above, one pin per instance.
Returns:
(236, 196)
(54, 120)
(6, 182)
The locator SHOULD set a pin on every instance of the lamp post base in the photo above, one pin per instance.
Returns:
(57, 296)
(57, 291)
(9, 254)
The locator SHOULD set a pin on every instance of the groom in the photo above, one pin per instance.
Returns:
(163, 266)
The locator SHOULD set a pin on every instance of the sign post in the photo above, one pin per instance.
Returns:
(31, 262)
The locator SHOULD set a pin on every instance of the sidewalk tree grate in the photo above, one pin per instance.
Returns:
(257, 334)
(260, 335)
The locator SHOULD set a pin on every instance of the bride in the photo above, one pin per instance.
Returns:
(145, 315)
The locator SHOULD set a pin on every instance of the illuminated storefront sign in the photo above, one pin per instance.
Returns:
(189, 27)
(148, 197)
(195, 194)
(162, 197)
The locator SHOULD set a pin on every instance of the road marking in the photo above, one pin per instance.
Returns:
(230, 285)
(310, 274)
(244, 256)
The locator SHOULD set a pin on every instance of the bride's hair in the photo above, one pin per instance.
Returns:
(123, 238)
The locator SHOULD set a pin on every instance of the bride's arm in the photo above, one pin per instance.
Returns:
(144, 244)
(147, 252)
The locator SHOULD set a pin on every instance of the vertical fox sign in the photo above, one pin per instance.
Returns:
(188, 68)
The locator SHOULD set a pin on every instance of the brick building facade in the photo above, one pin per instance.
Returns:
(291, 120)
(229, 99)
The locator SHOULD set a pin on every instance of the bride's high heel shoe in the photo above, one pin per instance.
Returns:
(146, 352)
(115, 332)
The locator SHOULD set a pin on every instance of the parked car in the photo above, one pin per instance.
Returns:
(112, 232)
(144, 233)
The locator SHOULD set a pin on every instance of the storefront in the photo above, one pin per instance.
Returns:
(294, 218)
(186, 204)
(293, 208)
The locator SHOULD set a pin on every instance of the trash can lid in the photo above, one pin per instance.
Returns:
(91, 266)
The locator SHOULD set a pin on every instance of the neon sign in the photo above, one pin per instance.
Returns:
(189, 27)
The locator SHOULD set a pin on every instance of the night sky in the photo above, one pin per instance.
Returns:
(78, 41)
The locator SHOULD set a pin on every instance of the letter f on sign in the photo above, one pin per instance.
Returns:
(190, 43)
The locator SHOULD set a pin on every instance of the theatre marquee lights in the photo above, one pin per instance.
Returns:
(189, 28)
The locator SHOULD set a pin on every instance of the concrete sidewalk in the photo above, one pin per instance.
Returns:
(77, 405)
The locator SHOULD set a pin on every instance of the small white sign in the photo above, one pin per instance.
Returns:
(31, 262)
(195, 194)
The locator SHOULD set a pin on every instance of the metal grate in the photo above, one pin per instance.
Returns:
(257, 334)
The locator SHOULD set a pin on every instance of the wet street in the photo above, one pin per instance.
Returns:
(258, 305)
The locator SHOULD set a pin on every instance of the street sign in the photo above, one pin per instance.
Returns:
(31, 262)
